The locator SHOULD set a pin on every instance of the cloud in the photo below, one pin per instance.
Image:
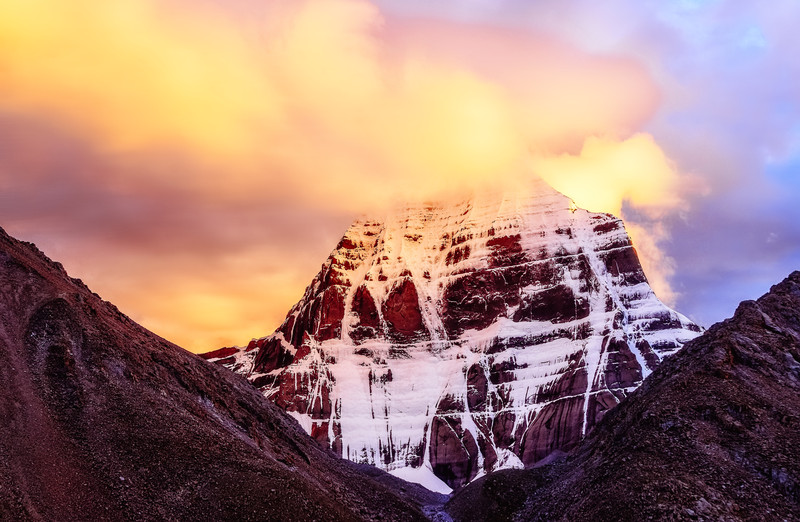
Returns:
(729, 105)
(617, 177)
(559, 94)
(171, 149)
(606, 173)
(133, 73)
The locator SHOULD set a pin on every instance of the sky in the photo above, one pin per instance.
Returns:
(194, 162)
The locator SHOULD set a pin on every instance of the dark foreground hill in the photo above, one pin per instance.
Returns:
(713, 434)
(102, 420)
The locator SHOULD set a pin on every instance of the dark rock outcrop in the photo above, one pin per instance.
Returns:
(401, 312)
(272, 354)
(712, 434)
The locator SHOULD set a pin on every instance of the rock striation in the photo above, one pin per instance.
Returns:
(712, 434)
(444, 342)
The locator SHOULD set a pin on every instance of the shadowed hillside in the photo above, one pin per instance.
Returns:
(103, 420)
(713, 434)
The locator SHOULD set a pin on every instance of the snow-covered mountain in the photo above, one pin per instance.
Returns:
(444, 342)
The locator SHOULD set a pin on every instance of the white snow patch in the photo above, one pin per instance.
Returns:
(423, 476)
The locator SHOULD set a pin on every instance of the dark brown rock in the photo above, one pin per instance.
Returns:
(624, 262)
(272, 355)
(305, 393)
(222, 352)
(503, 429)
(600, 403)
(606, 227)
(328, 311)
(364, 307)
(502, 372)
(556, 427)
(454, 452)
(622, 369)
(572, 382)
(475, 300)
(402, 314)
(450, 404)
(476, 388)
(557, 304)
(651, 359)
(506, 251)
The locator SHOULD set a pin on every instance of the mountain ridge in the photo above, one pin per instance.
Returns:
(104, 420)
(712, 434)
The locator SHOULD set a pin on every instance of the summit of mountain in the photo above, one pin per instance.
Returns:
(443, 342)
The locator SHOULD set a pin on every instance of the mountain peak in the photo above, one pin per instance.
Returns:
(467, 337)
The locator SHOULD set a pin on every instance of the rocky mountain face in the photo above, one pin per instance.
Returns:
(445, 342)
(712, 434)
(103, 420)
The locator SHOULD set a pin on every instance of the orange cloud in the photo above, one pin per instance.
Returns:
(132, 74)
(606, 175)
(607, 172)
(200, 305)
(328, 106)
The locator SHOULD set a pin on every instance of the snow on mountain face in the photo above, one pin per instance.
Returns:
(443, 343)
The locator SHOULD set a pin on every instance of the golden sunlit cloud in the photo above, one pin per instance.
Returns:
(330, 106)
(213, 312)
(608, 174)
(132, 74)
